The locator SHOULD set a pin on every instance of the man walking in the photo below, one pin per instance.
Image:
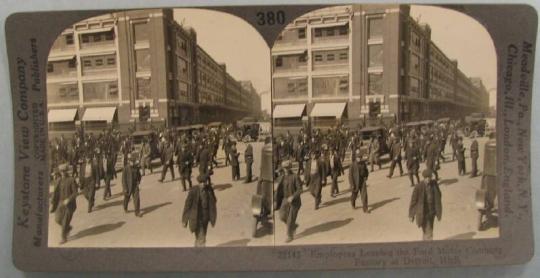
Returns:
(426, 204)
(358, 174)
(395, 153)
(200, 210)
(131, 178)
(474, 157)
(63, 202)
(460, 154)
(168, 161)
(248, 159)
(287, 198)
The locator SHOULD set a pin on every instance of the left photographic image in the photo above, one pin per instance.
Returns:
(159, 132)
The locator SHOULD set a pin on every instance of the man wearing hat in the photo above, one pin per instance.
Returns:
(426, 204)
(412, 154)
(200, 209)
(358, 174)
(287, 198)
(460, 155)
(248, 158)
(64, 201)
(185, 163)
(235, 163)
(131, 178)
(168, 160)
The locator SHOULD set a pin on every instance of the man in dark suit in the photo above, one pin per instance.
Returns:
(200, 209)
(235, 163)
(109, 171)
(358, 174)
(432, 156)
(426, 204)
(64, 201)
(248, 158)
(287, 198)
(474, 158)
(168, 161)
(337, 169)
(460, 155)
(413, 161)
(131, 178)
(204, 160)
(185, 163)
(395, 153)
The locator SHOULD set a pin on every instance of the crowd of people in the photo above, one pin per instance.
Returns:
(318, 155)
(86, 161)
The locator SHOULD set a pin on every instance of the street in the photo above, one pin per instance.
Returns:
(162, 205)
(388, 199)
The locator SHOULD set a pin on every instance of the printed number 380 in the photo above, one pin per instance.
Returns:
(271, 17)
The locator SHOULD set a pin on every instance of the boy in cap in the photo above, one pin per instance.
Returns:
(426, 204)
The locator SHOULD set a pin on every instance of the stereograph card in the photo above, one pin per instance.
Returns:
(297, 137)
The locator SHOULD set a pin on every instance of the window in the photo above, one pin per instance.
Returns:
(279, 61)
(72, 63)
(330, 32)
(97, 37)
(318, 57)
(141, 32)
(143, 88)
(343, 30)
(111, 61)
(99, 62)
(330, 86)
(344, 86)
(318, 33)
(375, 28)
(344, 56)
(69, 39)
(142, 59)
(302, 58)
(291, 87)
(374, 84)
(330, 57)
(109, 36)
(375, 53)
(302, 33)
(85, 38)
(62, 93)
(100, 91)
(87, 62)
(50, 67)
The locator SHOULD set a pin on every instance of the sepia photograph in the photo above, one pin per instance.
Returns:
(384, 126)
(159, 131)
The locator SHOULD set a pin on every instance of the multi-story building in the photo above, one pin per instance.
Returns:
(137, 68)
(363, 63)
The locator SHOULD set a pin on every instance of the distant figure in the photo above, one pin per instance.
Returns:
(474, 157)
(235, 163)
(287, 198)
(146, 161)
(64, 201)
(426, 204)
(374, 153)
(413, 156)
(395, 153)
(168, 161)
(248, 158)
(200, 209)
(336, 169)
(460, 154)
(358, 174)
(185, 164)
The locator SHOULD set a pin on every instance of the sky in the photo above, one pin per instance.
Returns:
(230, 40)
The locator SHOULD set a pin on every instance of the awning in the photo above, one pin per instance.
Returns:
(99, 114)
(332, 24)
(289, 111)
(96, 30)
(62, 115)
(57, 58)
(289, 52)
(335, 109)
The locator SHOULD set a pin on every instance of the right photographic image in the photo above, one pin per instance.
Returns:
(384, 123)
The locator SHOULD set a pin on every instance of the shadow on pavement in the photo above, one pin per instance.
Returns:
(467, 235)
(335, 201)
(447, 182)
(149, 209)
(325, 227)
(96, 230)
(221, 187)
(108, 204)
(238, 242)
(379, 204)
(266, 228)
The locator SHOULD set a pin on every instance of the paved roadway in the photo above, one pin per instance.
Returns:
(162, 205)
(388, 199)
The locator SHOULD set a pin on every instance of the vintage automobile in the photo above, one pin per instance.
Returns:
(378, 132)
(261, 202)
(486, 195)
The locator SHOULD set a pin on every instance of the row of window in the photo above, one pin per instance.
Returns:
(98, 37)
